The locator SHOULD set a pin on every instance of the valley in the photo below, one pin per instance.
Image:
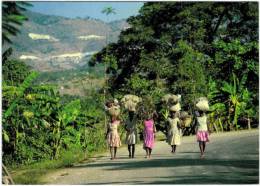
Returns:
(58, 46)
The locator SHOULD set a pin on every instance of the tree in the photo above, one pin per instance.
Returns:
(11, 20)
(108, 10)
(176, 47)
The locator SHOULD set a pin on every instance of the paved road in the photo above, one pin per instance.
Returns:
(230, 158)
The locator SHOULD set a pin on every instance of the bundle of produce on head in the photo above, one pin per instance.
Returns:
(175, 108)
(202, 104)
(113, 108)
(130, 102)
(171, 99)
(172, 102)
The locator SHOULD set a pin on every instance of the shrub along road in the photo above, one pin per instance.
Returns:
(230, 158)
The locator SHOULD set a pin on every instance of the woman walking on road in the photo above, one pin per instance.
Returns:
(113, 138)
(131, 134)
(202, 125)
(202, 131)
(174, 130)
(149, 135)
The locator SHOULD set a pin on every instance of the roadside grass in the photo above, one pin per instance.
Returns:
(34, 173)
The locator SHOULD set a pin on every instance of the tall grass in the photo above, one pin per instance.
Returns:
(34, 173)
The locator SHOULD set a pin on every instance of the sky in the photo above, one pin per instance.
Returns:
(92, 9)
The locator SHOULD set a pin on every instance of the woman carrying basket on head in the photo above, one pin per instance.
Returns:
(130, 102)
(112, 135)
(202, 124)
(174, 128)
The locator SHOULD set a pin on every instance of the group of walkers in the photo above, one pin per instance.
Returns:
(174, 128)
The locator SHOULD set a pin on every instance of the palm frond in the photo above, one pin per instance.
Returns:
(6, 54)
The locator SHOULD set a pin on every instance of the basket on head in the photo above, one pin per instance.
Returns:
(114, 109)
(171, 99)
(202, 104)
(130, 102)
(176, 107)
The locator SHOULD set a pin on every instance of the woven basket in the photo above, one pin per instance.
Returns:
(202, 104)
(114, 111)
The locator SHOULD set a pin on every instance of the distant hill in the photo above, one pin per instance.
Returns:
(54, 43)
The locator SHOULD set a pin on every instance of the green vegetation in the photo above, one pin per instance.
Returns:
(66, 75)
(193, 49)
(43, 130)
(189, 48)
(12, 19)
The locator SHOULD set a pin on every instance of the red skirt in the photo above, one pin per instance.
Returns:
(202, 136)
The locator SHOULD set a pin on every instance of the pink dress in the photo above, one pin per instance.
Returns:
(113, 138)
(202, 132)
(148, 133)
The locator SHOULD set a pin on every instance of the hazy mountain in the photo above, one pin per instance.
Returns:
(52, 43)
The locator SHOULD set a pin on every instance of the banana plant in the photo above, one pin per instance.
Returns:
(216, 115)
(21, 89)
(12, 95)
(68, 114)
(217, 108)
(165, 114)
(247, 107)
(235, 97)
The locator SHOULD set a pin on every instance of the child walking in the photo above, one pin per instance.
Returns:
(149, 134)
(113, 138)
(202, 131)
(174, 130)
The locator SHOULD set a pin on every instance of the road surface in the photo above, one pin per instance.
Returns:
(231, 158)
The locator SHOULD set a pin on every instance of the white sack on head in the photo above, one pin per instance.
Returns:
(202, 104)
(176, 107)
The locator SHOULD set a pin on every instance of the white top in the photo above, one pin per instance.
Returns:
(202, 123)
(173, 124)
